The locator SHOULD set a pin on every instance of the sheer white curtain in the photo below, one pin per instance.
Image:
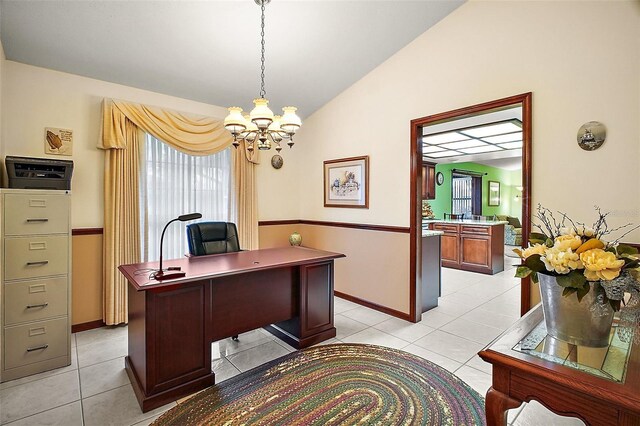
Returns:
(174, 184)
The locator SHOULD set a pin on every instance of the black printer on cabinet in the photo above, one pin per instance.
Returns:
(39, 173)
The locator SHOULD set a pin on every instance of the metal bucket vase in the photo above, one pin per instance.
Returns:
(572, 321)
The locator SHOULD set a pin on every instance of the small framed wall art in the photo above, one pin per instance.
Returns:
(494, 193)
(346, 182)
(276, 161)
(58, 141)
(591, 135)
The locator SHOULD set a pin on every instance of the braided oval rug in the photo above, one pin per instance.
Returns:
(342, 384)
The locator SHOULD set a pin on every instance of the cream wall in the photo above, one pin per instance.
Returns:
(581, 60)
(278, 189)
(2, 61)
(356, 274)
(35, 98)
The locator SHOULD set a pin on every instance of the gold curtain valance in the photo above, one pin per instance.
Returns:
(193, 135)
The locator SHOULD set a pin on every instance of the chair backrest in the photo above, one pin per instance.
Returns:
(454, 216)
(483, 218)
(212, 238)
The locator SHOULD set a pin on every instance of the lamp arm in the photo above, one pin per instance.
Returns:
(162, 240)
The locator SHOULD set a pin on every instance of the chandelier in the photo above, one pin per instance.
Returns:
(261, 127)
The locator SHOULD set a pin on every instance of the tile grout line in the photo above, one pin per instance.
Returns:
(79, 383)
(35, 414)
(520, 410)
(51, 408)
(98, 363)
(101, 340)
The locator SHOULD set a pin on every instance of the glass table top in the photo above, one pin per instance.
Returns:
(609, 362)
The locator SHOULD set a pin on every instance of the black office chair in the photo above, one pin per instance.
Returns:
(213, 238)
(480, 217)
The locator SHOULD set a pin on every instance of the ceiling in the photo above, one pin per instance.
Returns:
(512, 163)
(492, 138)
(209, 51)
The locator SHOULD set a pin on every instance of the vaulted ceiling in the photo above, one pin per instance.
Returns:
(209, 51)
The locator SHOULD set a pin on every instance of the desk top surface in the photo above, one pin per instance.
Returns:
(219, 265)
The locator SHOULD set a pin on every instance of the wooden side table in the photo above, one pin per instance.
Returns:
(601, 386)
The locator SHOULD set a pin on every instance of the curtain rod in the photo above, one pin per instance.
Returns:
(469, 172)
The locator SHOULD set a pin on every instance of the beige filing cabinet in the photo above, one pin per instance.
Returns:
(35, 281)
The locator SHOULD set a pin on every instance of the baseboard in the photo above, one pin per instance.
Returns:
(87, 231)
(372, 305)
(76, 328)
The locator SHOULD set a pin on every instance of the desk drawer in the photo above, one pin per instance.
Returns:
(40, 341)
(35, 300)
(470, 229)
(446, 227)
(27, 214)
(34, 257)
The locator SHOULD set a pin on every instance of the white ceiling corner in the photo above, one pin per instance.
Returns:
(209, 51)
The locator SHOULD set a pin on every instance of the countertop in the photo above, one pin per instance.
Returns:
(466, 222)
(430, 233)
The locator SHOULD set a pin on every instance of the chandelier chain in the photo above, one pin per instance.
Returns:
(263, 92)
(261, 128)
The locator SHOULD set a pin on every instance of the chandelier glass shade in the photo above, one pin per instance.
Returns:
(261, 127)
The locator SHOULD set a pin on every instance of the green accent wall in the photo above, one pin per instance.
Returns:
(516, 195)
(509, 180)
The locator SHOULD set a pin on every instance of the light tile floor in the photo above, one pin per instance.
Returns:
(95, 390)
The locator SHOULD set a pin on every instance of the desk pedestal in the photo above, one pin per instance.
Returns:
(171, 328)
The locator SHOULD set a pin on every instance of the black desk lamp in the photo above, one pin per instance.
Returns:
(173, 272)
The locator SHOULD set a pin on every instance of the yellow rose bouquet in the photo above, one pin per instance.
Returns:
(579, 257)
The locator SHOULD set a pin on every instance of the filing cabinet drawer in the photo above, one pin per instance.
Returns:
(35, 342)
(34, 257)
(35, 300)
(27, 214)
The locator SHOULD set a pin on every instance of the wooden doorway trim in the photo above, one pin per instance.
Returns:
(415, 274)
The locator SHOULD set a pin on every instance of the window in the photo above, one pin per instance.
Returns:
(174, 184)
(466, 194)
(461, 195)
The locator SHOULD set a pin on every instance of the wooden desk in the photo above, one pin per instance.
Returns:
(520, 377)
(172, 323)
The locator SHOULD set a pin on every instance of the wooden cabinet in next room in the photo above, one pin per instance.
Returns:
(428, 181)
(477, 248)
